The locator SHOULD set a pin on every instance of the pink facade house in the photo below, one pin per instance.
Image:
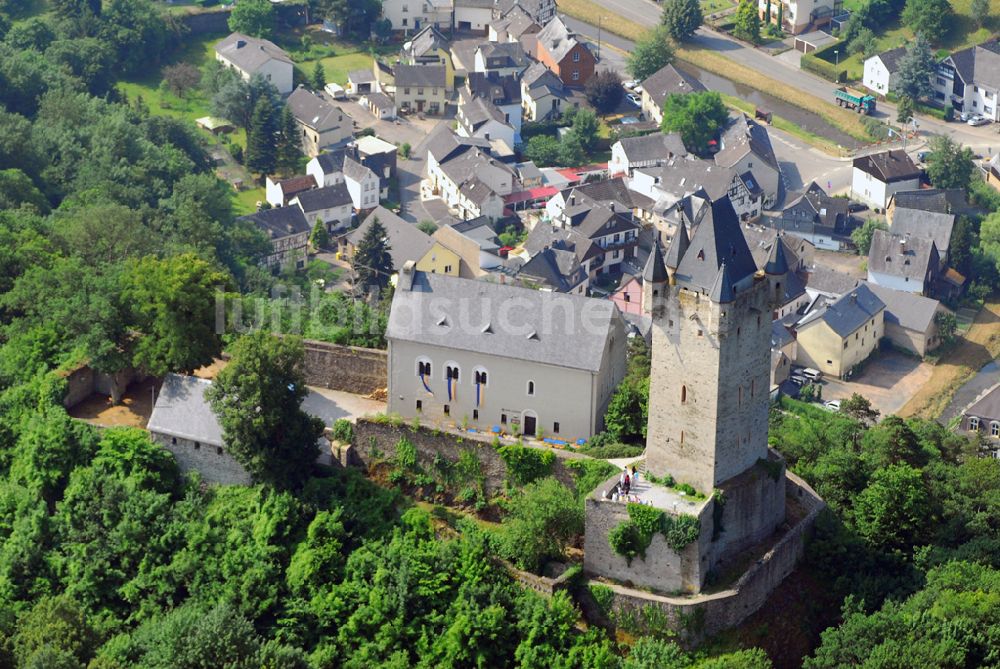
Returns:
(628, 297)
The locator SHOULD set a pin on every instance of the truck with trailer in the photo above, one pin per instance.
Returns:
(865, 104)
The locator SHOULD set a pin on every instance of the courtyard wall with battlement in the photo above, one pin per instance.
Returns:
(698, 616)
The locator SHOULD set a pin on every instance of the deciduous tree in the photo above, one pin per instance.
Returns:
(949, 165)
(258, 399)
(181, 77)
(543, 518)
(681, 18)
(747, 26)
(904, 110)
(980, 10)
(930, 18)
(604, 91)
(652, 53)
(252, 17)
(698, 117)
(862, 236)
(913, 75)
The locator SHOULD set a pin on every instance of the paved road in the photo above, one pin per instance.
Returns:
(987, 377)
(888, 380)
(647, 13)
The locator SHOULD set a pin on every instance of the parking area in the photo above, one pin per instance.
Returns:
(888, 380)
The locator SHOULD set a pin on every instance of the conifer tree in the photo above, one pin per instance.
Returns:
(261, 150)
(372, 260)
(318, 77)
(288, 144)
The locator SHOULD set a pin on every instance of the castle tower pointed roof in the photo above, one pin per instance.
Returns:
(717, 241)
(776, 261)
(722, 289)
(655, 271)
(678, 246)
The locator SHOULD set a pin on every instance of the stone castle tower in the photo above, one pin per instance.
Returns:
(710, 377)
(709, 393)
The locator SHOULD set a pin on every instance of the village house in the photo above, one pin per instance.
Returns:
(911, 320)
(479, 117)
(794, 255)
(543, 94)
(903, 262)
(880, 71)
(406, 242)
(936, 200)
(982, 418)
(513, 26)
(539, 11)
(993, 172)
(463, 248)
(379, 156)
(799, 16)
(322, 125)
(280, 193)
(413, 15)
(745, 146)
(382, 107)
(502, 91)
(679, 177)
(654, 150)
(430, 47)
(666, 81)
(473, 15)
(912, 223)
(969, 80)
(501, 58)
(330, 204)
(815, 216)
(288, 231)
(362, 183)
(568, 58)
(250, 56)
(838, 336)
(421, 88)
(517, 368)
(877, 176)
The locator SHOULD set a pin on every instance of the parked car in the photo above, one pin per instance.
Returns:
(964, 116)
(630, 85)
(813, 375)
(798, 379)
(978, 120)
(634, 99)
(832, 405)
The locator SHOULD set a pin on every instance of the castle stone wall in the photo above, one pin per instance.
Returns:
(754, 507)
(698, 616)
(213, 462)
(348, 368)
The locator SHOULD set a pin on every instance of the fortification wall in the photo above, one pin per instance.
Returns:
(375, 441)
(348, 368)
(698, 616)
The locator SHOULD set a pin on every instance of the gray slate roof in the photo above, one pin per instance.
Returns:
(406, 242)
(558, 268)
(937, 200)
(314, 111)
(891, 58)
(744, 135)
(979, 64)
(328, 197)
(504, 321)
(478, 111)
(420, 75)
(181, 410)
(905, 257)
(504, 54)
(667, 80)
(926, 224)
(501, 90)
(715, 243)
(249, 53)
(888, 166)
(908, 310)
(830, 281)
(987, 405)
(659, 146)
(280, 222)
(428, 39)
(848, 313)
(557, 39)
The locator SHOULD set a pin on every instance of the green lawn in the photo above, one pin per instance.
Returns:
(336, 67)
(713, 6)
(245, 202)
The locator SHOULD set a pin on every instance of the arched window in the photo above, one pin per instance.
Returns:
(451, 371)
(531, 387)
(424, 367)
(974, 424)
(684, 394)
(995, 429)
(480, 376)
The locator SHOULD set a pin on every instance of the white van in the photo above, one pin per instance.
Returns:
(813, 375)
(336, 91)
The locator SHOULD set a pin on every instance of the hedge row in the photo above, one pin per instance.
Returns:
(811, 63)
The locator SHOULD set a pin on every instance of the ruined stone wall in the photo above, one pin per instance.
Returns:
(754, 506)
(348, 368)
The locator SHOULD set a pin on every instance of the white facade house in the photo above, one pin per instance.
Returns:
(362, 184)
(543, 95)
(969, 80)
(630, 153)
(798, 16)
(876, 177)
(515, 367)
(327, 169)
(746, 147)
(332, 205)
(473, 15)
(410, 16)
(321, 124)
(880, 71)
(250, 56)
(482, 118)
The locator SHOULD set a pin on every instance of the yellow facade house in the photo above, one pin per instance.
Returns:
(440, 260)
(837, 337)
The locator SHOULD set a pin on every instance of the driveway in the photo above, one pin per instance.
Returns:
(889, 380)
(986, 378)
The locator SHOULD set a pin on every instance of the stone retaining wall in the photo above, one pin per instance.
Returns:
(698, 616)
(348, 368)
(374, 441)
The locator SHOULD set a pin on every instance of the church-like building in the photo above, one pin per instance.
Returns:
(711, 310)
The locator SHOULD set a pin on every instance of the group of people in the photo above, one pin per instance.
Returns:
(627, 480)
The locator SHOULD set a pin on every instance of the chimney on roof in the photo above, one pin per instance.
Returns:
(406, 275)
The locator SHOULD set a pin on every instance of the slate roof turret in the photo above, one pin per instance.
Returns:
(655, 271)
(776, 261)
(717, 242)
(678, 247)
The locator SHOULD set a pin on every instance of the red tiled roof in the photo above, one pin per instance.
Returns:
(531, 194)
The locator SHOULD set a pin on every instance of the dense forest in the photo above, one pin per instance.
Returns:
(115, 234)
